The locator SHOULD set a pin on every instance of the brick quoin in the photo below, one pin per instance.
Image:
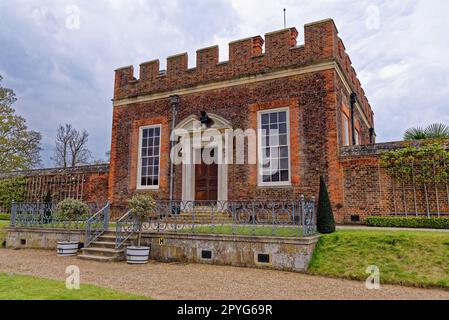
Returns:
(314, 81)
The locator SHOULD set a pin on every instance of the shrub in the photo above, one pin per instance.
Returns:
(12, 189)
(5, 217)
(72, 210)
(409, 222)
(142, 206)
(325, 216)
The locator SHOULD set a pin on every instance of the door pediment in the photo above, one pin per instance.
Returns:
(192, 123)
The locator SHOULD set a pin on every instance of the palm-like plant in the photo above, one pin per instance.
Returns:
(434, 131)
(437, 131)
(415, 134)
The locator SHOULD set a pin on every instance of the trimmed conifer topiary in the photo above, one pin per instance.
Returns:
(325, 216)
(47, 211)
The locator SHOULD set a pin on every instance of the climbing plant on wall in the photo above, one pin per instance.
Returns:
(12, 189)
(426, 164)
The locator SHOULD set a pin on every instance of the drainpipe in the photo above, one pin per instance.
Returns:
(372, 135)
(353, 102)
(174, 104)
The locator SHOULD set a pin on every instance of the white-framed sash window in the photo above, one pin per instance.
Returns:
(274, 147)
(148, 171)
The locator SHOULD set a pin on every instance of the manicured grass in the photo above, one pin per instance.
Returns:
(245, 230)
(409, 258)
(18, 287)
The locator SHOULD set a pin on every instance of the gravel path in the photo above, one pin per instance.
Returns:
(196, 282)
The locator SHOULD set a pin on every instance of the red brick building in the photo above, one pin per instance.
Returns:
(309, 93)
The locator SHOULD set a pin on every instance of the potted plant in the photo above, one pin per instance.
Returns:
(70, 211)
(142, 206)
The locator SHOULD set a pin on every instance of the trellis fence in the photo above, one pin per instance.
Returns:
(418, 181)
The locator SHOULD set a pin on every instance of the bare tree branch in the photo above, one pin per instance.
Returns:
(64, 135)
(78, 148)
(71, 147)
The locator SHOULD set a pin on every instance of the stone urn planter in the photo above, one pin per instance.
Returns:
(67, 249)
(137, 255)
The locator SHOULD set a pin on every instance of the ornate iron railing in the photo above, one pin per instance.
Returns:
(97, 225)
(43, 215)
(254, 218)
(126, 227)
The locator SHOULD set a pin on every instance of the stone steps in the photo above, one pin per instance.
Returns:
(103, 244)
(104, 252)
(103, 249)
(96, 258)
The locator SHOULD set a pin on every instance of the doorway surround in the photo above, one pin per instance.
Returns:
(192, 125)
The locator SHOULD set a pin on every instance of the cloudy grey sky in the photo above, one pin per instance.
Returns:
(62, 73)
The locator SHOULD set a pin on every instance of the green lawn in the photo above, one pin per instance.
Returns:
(18, 287)
(245, 230)
(410, 258)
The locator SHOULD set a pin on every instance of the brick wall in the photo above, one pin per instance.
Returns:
(86, 183)
(370, 190)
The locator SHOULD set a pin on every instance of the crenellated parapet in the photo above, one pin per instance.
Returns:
(346, 64)
(255, 55)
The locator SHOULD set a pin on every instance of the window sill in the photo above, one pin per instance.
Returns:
(281, 186)
(147, 188)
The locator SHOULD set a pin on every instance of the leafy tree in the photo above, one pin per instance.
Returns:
(12, 189)
(19, 147)
(434, 131)
(325, 216)
(71, 146)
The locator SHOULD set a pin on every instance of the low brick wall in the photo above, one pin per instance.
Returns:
(287, 254)
(28, 238)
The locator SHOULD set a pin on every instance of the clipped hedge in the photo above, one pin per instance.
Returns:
(4, 217)
(409, 222)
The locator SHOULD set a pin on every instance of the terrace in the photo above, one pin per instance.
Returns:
(181, 230)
